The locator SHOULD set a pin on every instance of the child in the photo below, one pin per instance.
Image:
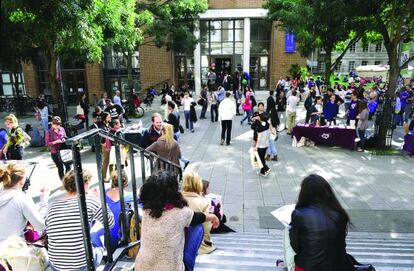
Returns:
(216, 209)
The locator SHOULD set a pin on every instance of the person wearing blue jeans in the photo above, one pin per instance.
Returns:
(271, 151)
(247, 116)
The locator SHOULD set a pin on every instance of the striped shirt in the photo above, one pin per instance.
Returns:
(64, 230)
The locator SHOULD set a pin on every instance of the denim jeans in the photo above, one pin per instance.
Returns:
(271, 150)
(45, 124)
(214, 112)
(188, 122)
(248, 116)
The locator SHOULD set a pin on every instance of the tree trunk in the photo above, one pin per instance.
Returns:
(51, 59)
(328, 62)
(386, 116)
(129, 74)
(19, 106)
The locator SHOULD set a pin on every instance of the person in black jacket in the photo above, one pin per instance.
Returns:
(271, 104)
(152, 134)
(174, 119)
(319, 227)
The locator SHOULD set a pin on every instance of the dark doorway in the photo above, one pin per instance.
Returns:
(222, 64)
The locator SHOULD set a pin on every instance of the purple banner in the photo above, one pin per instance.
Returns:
(290, 45)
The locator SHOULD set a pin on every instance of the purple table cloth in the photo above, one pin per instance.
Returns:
(336, 136)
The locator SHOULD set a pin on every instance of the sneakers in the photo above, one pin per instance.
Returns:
(267, 158)
(222, 142)
(274, 158)
(266, 173)
(192, 130)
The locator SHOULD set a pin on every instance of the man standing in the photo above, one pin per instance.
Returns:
(227, 110)
(114, 110)
(117, 98)
(271, 104)
(211, 76)
(153, 132)
(212, 99)
(203, 98)
(118, 101)
(291, 106)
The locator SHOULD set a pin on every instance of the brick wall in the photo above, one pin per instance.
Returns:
(235, 4)
(156, 65)
(95, 81)
(31, 79)
(281, 61)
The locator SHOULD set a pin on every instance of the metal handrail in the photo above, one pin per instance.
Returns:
(162, 163)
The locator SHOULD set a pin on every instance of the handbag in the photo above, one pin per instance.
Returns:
(201, 102)
(79, 110)
(359, 266)
(15, 252)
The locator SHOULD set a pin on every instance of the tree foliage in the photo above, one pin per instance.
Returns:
(322, 24)
(173, 25)
(393, 20)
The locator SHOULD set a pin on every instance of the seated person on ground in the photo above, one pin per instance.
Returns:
(36, 139)
(216, 208)
(16, 207)
(66, 251)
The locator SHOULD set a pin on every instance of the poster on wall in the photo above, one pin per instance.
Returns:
(290, 44)
(405, 54)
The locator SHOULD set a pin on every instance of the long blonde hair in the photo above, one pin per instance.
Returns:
(192, 182)
(167, 134)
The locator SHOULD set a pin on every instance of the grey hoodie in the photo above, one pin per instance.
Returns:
(16, 209)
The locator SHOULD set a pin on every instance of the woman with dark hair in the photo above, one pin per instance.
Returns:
(106, 144)
(165, 217)
(83, 103)
(362, 124)
(319, 227)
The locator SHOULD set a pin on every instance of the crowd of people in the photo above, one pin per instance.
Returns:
(177, 222)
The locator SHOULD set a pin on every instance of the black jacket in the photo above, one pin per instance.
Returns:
(174, 120)
(149, 136)
(318, 238)
(270, 104)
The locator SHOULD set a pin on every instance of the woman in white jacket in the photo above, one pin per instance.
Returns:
(226, 112)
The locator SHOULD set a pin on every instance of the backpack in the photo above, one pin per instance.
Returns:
(253, 100)
(132, 234)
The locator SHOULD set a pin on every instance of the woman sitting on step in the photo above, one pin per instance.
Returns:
(318, 228)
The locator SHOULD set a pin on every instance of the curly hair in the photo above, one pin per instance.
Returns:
(159, 190)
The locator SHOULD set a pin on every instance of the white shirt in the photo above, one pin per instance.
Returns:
(292, 103)
(227, 109)
(187, 103)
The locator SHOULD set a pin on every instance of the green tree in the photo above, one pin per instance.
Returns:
(56, 26)
(324, 24)
(13, 52)
(394, 21)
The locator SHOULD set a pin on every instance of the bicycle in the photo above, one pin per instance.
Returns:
(137, 111)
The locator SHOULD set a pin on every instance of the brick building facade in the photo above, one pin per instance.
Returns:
(234, 35)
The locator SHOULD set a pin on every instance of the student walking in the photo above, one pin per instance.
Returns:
(292, 105)
(227, 110)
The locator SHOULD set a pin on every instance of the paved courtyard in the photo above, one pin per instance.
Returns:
(362, 181)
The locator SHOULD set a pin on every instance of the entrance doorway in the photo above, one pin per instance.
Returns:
(223, 64)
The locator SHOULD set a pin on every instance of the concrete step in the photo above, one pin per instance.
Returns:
(259, 252)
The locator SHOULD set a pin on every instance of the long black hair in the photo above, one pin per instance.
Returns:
(160, 189)
(315, 190)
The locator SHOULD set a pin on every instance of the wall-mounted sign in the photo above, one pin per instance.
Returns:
(290, 44)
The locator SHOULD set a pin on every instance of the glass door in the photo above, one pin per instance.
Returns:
(259, 72)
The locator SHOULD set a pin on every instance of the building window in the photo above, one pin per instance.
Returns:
(321, 66)
(377, 62)
(221, 37)
(221, 43)
(365, 47)
(185, 71)
(351, 65)
(260, 32)
(364, 62)
(339, 67)
(378, 47)
(7, 83)
(352, 48)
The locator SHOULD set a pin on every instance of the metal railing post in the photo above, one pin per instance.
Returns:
(134, 188)
(124, 239)
(81, 195)
(98, 151)
(142, 166)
